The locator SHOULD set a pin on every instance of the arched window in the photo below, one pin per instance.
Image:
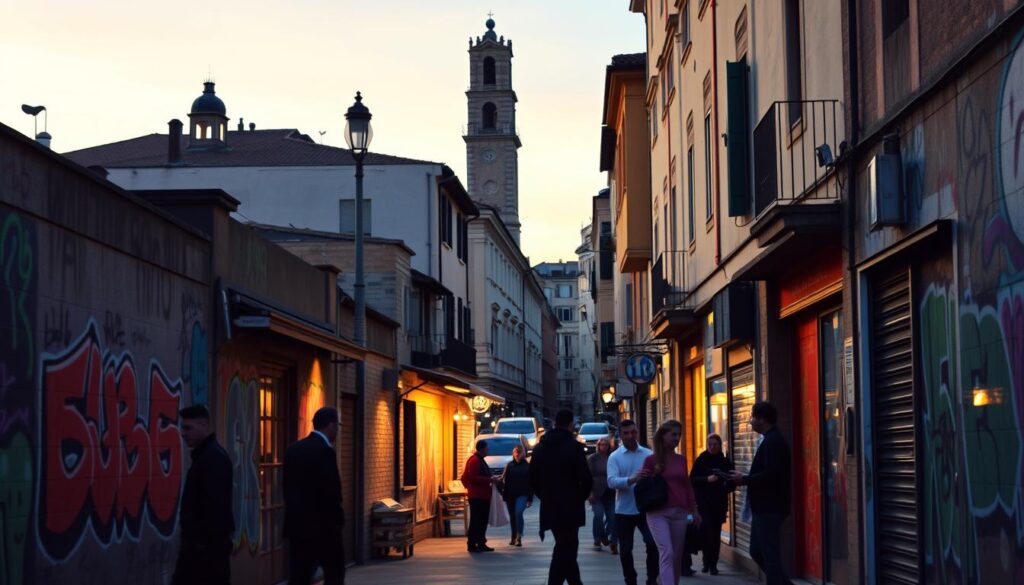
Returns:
(490, 120)
(488, 70)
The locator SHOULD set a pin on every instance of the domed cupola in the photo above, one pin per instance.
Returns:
(490, 35)
(208, 127)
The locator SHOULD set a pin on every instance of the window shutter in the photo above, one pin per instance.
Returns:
(739, 138)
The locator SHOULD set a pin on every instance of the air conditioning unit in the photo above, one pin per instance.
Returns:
(735, 309)
(885, 192)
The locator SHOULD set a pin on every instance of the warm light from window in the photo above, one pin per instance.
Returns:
(987, 396)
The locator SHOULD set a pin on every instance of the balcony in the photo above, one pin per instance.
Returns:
(442, 351)
(796, 202)
(474, 129)
(672, 312)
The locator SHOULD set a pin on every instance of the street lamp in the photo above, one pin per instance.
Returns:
(358, 135)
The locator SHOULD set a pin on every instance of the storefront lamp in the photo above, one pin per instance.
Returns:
(457, 389)
(358, 132)
(607, 396)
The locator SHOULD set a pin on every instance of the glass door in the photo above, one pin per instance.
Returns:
(830, 330)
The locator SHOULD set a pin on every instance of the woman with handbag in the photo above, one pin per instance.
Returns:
(668, 521)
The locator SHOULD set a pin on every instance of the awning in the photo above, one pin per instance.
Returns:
(455, 385)
(252, 313)
(429, 283)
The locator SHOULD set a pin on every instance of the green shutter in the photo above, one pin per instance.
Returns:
(738, 143)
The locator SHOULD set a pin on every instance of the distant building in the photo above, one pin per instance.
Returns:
(560, 281)
(588, 395)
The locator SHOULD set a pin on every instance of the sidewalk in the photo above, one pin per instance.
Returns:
(444, 561)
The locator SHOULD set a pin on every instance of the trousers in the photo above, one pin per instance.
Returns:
(564, 567)
(668, 527)
(626, 525)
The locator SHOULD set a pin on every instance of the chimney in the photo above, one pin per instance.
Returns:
(44, 138)
(174, 142)
(252, 126)
(241, 124)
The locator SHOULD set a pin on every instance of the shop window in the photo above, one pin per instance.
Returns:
(408, 443)
(271, 463)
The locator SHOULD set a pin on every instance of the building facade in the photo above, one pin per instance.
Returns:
(589, 402)
(560, 282)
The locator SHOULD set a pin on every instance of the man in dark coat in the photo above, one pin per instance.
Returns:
(206, 518)
(768, 491)
(560, 477)
(313, 516)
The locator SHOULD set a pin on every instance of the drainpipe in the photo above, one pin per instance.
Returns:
(715, 134)
(851, 189)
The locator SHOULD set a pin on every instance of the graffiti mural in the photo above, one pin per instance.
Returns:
(18, 348)
(110, 452)
(241, 440)
(195, 369)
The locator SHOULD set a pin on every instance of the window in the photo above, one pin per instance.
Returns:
(654, 121)
(566, 345)
(794, 59)
(684, 27)
(895, 50)
(348, 216)
(445, 217)
(606, 251)
(691, 232)
(271, 461)
(409, 443)
(460, 328)
(671, 70)
(548, 292)
(629, 304)
(490, 116)
(488, 70)
(740, 34)
(565, 314)
(657, 238)
(564, 291)
(709, 209)
(607, 340)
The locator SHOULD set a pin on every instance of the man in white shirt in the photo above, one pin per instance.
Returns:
(625, 468)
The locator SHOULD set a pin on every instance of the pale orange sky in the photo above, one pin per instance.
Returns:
(109, 70)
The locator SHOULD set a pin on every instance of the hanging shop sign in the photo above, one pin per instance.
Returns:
(641, 368)
(479, 404)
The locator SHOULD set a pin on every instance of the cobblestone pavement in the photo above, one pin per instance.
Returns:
(444, 561)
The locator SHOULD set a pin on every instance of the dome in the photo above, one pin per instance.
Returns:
(208, 103)
(490, 30)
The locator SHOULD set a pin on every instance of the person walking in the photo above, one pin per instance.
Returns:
(478, 479)
(712, 489)
(516, 492)
(561, 479)
(602, 498)
(206, 519)
(768, 492)
(625, 468)
(313, 516)
(668, 523)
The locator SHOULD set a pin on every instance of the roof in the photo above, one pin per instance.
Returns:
(246, 148)
(276, 233)
(623, 62)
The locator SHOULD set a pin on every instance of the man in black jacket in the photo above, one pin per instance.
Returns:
(313, 516)
(560, 477)
(768, 490)
(206, 518)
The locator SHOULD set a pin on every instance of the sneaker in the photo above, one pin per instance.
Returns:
(615, 548)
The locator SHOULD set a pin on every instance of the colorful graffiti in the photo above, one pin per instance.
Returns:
(195, 370)
(109, 452)
(241, 439)
(18, 300)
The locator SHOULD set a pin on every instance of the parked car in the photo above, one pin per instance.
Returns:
(499, 449)
(520, 425)
(591, 432)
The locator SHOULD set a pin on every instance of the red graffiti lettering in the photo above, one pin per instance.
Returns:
(108, 454)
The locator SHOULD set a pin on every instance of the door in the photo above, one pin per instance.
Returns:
(892, 387)
(806, 452)
(744, 442)
(830, 330)
(275, 434)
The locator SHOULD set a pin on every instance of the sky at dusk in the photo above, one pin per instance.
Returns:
(109, 70)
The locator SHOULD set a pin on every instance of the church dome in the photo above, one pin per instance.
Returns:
(208, 103)
(490, 34)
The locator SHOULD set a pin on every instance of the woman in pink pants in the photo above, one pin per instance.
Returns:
(668, 524)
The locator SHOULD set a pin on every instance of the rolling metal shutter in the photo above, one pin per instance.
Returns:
(743, 441)
(893, 405)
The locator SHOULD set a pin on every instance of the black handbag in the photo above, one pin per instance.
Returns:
(651, 493)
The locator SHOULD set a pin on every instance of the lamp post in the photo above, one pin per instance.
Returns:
(358, 135)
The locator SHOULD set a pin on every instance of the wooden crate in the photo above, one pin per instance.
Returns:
(392, 530)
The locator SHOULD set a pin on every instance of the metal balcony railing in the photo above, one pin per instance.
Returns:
(785, 167)
(475, 129)
(442, 350)
(668, 281)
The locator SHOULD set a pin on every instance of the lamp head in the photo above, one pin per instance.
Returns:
(358, 132)
(823, 154)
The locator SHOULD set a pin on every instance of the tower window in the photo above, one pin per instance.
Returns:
(488, 70)
(490, 116)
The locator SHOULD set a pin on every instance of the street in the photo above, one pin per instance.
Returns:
(445, 561)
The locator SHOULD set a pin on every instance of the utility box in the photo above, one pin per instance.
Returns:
(885, 193)
(734, 314)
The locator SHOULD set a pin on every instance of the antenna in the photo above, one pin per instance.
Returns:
(322, 132)
(34, 112)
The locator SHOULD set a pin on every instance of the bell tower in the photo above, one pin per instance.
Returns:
(492, 140)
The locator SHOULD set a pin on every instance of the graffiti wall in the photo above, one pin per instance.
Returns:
(93, 372)
(965, 162)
